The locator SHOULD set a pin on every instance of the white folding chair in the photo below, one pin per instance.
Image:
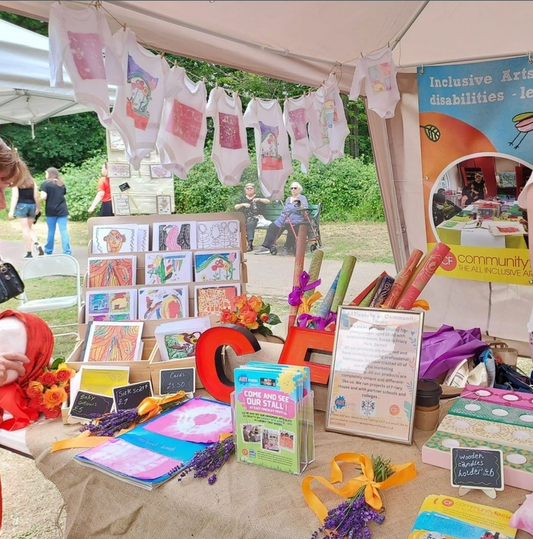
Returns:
(52, 266)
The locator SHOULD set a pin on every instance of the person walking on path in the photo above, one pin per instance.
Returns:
(103, 195)
(53, 191)
(12, 170)
(26, 206)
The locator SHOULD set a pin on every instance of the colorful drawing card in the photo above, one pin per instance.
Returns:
(117, 271)
(113, 239)
(211, 300)
(160, 302)
(111, 305)
(113, 341)
(177, 340)
(174, 236)
(143, 238)
(217, 266)
(219, 234)
(168, 268)
(102, 380)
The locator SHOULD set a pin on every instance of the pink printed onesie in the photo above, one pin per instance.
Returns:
(296, 114)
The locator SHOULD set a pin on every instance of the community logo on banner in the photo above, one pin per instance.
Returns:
(476, 158)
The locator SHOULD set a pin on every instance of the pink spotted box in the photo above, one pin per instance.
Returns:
(515, 399)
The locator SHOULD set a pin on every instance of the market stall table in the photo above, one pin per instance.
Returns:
(245, 502)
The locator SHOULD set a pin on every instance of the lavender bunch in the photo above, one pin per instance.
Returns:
(209, 460)
(350, 519)
(110, 424)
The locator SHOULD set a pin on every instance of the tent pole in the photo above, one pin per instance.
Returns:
(397, 40)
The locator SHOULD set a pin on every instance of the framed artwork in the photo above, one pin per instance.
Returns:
(121, 205)
(115, 141)
(120, 238)
(174, 236)
(222, 266)
(218, 234)
(168, 268)
(156, 303)
(164, 204)
(159, 171)
(117, 271)
(113, 341)
(210, 300)
(374, 373)
(119, 170)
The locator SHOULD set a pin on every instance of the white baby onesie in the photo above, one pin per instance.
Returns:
(139, 104)
(381, 87)
(181, 137)
(296, 114)
(230, 149)
(78, 39)
(274, 164)
(328, 127)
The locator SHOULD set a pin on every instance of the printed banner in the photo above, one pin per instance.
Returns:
(476, 159)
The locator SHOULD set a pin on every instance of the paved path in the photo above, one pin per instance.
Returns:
(270, 276)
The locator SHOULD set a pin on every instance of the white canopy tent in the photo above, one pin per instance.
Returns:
(303, 42)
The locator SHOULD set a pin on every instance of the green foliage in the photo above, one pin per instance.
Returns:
(348, 189)
(81, 183)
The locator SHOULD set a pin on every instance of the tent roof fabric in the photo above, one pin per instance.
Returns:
(303, 41)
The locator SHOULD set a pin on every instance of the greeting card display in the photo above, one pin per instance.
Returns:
(217, 266)
(272, 420)
(218, 234)
(163, 302)
(102, 380)
(111, 305)
(211, 300)
(117, 271)
(177, 340)
(113, 341)
(174, 236)
(120, 238)
(168, 268)
(143, 238)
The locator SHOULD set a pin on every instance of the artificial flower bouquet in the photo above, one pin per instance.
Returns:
(51, 389)
(251, 313)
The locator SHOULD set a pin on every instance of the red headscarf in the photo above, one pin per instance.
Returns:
(39, 348)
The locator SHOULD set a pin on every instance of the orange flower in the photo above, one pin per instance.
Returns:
(228, 317)
(64, 374)
(240, 301)
(34, 390)
(54, 396)
(264, 317)
(248, 318)
(256, 303)
(47, 378)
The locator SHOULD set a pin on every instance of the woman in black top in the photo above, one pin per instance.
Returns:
(26, 206)
(53, 191)
(479, 188)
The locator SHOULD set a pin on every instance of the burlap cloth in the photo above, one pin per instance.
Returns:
(245, 502)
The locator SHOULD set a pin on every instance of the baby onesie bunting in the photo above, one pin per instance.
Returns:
(271, 144)
(139, 104)
(378, 71)
(328, 127)
(181, 137)
(296, 114)
(78, 39)
(230, 149)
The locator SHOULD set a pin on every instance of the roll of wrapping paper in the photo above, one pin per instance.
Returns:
(345, 275)
(301, 242)
(431, 264)
(402, 279)
(327, 300)
(314, 270)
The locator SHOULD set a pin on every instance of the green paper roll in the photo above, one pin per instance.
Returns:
(344, 280)
(314, 270)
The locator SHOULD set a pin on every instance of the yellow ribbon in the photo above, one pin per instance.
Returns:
(402, 474)
(82, 440)
(152, 405)
(305, 306)
(421, 304)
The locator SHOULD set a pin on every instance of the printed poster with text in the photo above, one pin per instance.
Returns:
(475, 119)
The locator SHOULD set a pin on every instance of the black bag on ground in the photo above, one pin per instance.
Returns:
(11, 284)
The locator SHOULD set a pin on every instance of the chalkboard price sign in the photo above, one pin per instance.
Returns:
(86, 405)
(130, 396)
(477, 468)
(174, 380)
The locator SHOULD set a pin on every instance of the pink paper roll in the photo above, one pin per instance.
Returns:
(429, 267)
(401, 280)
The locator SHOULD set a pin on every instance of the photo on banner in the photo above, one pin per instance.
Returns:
(476, 159)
